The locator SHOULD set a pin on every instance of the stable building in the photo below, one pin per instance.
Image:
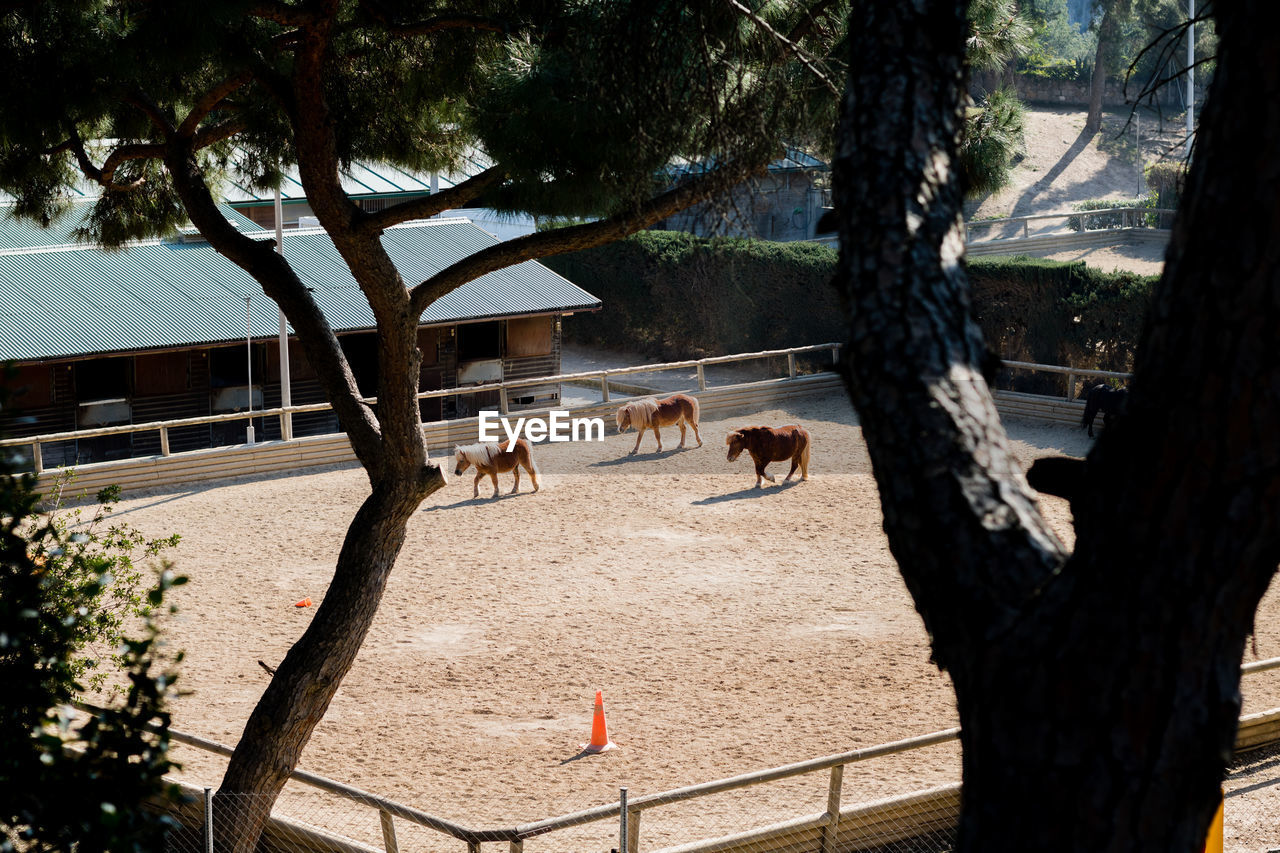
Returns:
(169, 329)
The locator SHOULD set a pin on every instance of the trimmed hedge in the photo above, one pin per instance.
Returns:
(672, 295)
(1052, 312)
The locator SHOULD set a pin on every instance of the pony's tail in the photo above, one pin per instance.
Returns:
(697, 409)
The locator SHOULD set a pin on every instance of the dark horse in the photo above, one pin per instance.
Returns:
(772, 444)
(1103, 398)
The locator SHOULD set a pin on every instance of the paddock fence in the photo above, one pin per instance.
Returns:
(807, 370)
(713, 817)
(1055, 232)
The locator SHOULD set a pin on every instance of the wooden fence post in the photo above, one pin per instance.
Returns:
(388, 832)
(831, 832)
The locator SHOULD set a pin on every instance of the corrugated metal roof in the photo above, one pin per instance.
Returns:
(793, 160)
(361, 180)
(63, 303)
(16, 233)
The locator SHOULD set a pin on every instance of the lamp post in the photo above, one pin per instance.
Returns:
(286, 392)
(248, 346)
(1191, 73)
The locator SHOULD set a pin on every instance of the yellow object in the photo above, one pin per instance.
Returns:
(1213, 843)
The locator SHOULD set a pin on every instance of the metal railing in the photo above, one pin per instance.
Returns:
(1072, 373)
(627, 809)
(601, 376)
(1130, 217)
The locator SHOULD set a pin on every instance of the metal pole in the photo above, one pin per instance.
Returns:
(1191, 72)
(622, 822)
(1137, 144)
(208, 820)
(286, 391)
(248, 345)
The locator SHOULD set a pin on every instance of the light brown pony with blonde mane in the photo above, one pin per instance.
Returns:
(491, 459)
(651, 413)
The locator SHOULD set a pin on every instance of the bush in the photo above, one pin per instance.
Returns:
(672, 295)
(1115, 220)
(68, 785)
(1165, 180)
(1051, 312)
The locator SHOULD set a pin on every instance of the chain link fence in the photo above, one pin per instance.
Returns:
(1251, 803)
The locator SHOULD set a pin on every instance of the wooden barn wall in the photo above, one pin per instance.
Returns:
(173, 385)
(532, 349)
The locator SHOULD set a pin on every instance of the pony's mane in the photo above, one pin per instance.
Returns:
(641, 412)
(477, 454)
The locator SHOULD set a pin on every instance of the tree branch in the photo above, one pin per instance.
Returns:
(574, 238)
(459, 195)
(281, 13)
(281, 283)
(105, 177)
(152, 111)
(436, 24)
(209, 101)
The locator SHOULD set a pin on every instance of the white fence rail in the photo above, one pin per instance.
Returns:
(1076, 220)
(837, 827)
(603, 377)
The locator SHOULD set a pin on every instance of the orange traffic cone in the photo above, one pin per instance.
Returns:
(599, 731)
(306, 602)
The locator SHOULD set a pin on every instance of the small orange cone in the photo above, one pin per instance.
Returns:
(599, 731)
(306, 602)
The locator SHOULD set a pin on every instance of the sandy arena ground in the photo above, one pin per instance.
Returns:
(730, 629)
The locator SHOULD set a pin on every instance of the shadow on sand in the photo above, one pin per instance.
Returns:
(746, 494)
(480, 501)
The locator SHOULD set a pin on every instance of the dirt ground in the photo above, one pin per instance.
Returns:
(730, 629)
(1061, 165)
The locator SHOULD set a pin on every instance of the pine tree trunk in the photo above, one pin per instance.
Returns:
(1098, 693)
(1098, 83)
(308, 678)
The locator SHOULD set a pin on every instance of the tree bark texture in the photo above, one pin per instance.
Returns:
(1098, 693)
(1098, 82)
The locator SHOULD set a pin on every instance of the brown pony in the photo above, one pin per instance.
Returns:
(491, 459)
(651, 413)
(772, 444)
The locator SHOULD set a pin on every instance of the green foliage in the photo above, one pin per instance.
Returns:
(1115, 220)
(1072, 70)
(671, 294)
(68, 784)
(582, 103)
(80, 553)
(1165, 181)
(989, 140)
(998, 34)
(1059, 313)
(1057, 41)
(663, 290)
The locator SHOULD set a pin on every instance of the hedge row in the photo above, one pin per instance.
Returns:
(672, 295)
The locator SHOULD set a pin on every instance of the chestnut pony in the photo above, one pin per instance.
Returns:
(651, 413)
(772, 444)
(489, 458)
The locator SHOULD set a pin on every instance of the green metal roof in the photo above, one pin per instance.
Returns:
(74, 301)
(16, 233)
